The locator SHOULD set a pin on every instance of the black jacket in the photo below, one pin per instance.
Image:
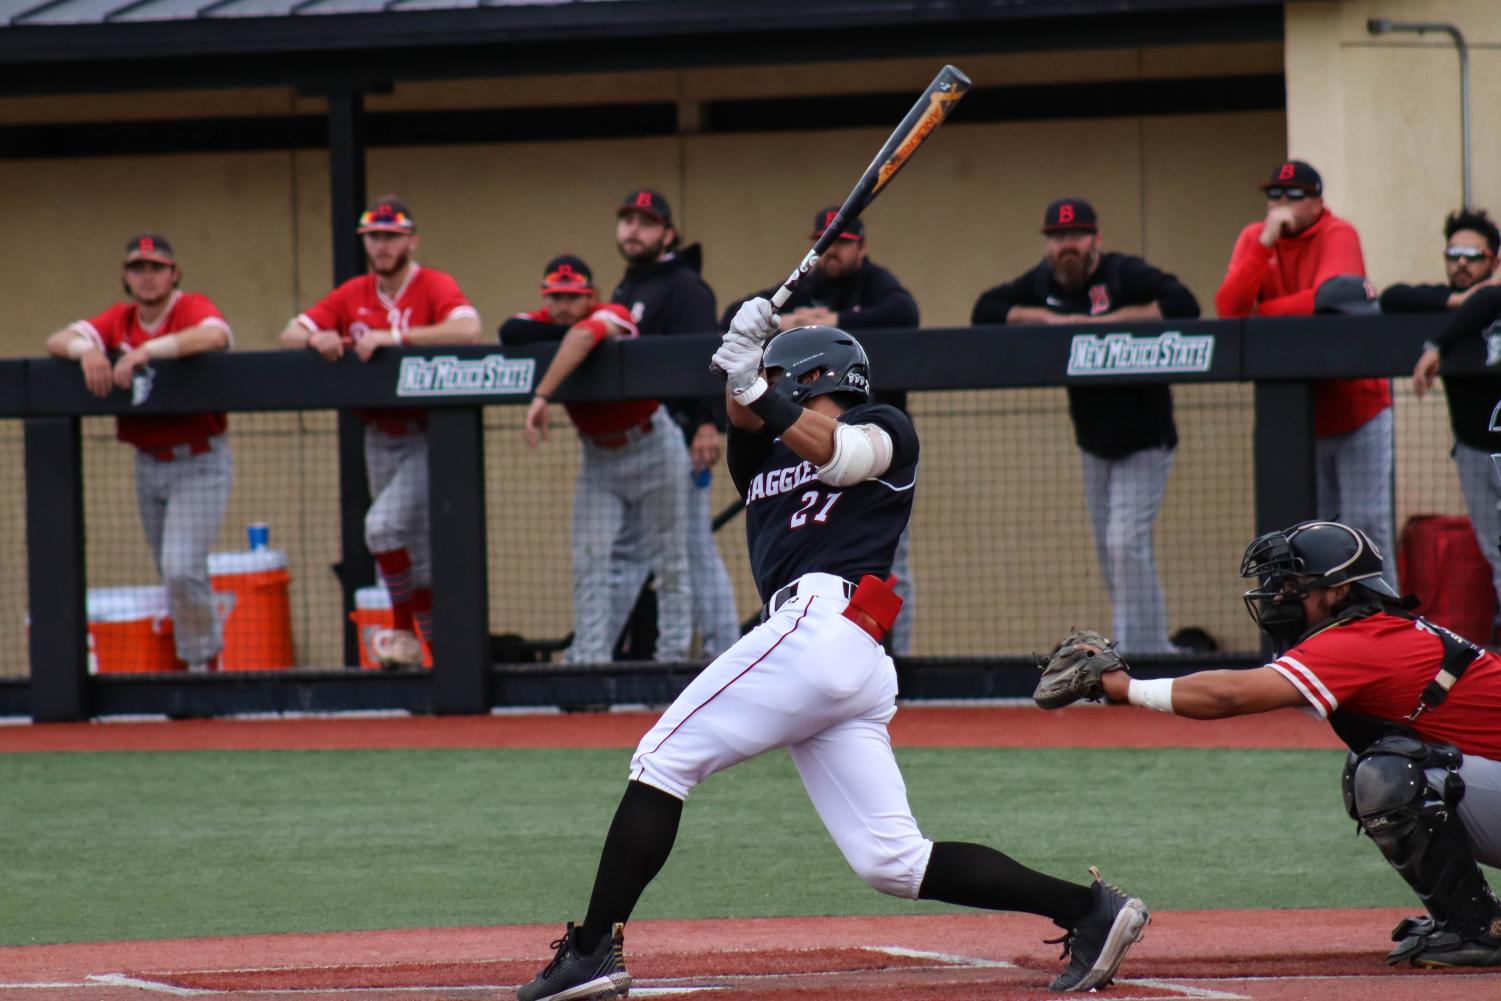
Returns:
(1470, 398)
(868, 298)
(669, 297)
(1110, 422)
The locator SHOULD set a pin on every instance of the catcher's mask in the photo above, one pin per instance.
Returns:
(796, 352)
(1291, 564)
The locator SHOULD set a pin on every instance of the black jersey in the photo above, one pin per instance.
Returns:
(797, 524)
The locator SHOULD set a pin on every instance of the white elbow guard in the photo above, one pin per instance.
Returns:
(861, 452)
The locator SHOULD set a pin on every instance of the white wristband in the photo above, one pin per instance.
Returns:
(750, 394)
(80, 345)
(1156, 693)
(166, 346)
(396, 337)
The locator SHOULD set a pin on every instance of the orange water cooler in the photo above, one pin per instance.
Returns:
(254, 605)
(372, 611)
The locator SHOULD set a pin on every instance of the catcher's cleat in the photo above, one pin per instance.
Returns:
(1411, 935)
(1445, 950)
(1097, 944)
(395, 648)
(574, 976)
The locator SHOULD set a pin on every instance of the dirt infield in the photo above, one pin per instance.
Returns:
(1259, 956)
(1230, 955)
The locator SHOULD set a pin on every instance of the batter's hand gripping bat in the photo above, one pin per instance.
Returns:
(926, 115)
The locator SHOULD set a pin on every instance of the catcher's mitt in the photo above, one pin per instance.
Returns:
(1073, 670)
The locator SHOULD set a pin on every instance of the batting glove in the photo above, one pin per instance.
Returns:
(756, 319)
(740, 359)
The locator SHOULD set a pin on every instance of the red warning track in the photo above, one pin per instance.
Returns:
(1084, 726)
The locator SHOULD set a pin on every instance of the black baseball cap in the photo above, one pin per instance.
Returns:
(1295, 174)
(149, 247)
(648, 201)
(854, 230)
(1069, 214)
(387, 215)
(567, 273)
(1351, 295)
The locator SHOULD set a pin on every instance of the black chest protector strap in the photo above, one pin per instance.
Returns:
(1459, 654)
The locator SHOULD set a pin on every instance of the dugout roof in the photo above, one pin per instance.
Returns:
(60, 46)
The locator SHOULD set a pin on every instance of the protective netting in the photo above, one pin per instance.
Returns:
(1003, 552)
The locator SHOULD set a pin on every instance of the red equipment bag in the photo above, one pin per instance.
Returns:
(1441, 563)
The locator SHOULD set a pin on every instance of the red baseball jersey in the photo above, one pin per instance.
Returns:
(120, 328)
(616, 415)
(1378, 666)
(359, 306)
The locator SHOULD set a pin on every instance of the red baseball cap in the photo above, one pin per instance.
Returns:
(149, 247)
(567, 273)
(387, 215)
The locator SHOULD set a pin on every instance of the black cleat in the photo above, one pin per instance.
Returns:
(1097, 944)
(574, 976)
(1445, 950)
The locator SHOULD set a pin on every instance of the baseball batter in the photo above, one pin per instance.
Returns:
(183, 469)
(633, 473)
(398, 303)
(828, 480)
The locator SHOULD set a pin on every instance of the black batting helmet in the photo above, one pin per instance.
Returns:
(1310, 555)
(801, 350)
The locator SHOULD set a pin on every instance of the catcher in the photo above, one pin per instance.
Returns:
(1419, 707)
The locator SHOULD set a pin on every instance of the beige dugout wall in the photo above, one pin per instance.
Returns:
(251, 230)
(1380, 116)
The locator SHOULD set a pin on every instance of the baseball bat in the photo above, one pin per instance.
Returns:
(926, 115)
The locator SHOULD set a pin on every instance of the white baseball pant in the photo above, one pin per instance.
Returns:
(812, 681)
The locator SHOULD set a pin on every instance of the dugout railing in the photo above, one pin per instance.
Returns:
(1281, 358)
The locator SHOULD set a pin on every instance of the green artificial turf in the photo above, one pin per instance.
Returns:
(147, 845)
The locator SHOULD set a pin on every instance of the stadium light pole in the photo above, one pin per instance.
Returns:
(1386, 26)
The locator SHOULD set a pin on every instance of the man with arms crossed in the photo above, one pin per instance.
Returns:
(1126, 434)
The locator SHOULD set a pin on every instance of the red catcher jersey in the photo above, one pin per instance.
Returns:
(1378, 666)
(615, 415)
(359, 306)
(120, 328)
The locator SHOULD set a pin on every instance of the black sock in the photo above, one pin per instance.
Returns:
(640, 839)
(976, 876)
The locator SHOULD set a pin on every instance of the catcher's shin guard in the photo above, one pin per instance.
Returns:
(1413, 823)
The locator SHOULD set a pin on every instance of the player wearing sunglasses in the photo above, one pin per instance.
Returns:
(1276, 269)
(1471, 300)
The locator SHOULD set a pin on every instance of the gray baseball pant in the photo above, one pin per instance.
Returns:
(714, 613)
(1480, 809)
(1353, 477)
(900, 636)
(1123, 497)
(1482, 492)
(182, 503)
(396, 469)
(639, 490)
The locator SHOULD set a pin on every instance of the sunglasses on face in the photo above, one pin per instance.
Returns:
(1291, 194)
(1466, 253)
(140, 267)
